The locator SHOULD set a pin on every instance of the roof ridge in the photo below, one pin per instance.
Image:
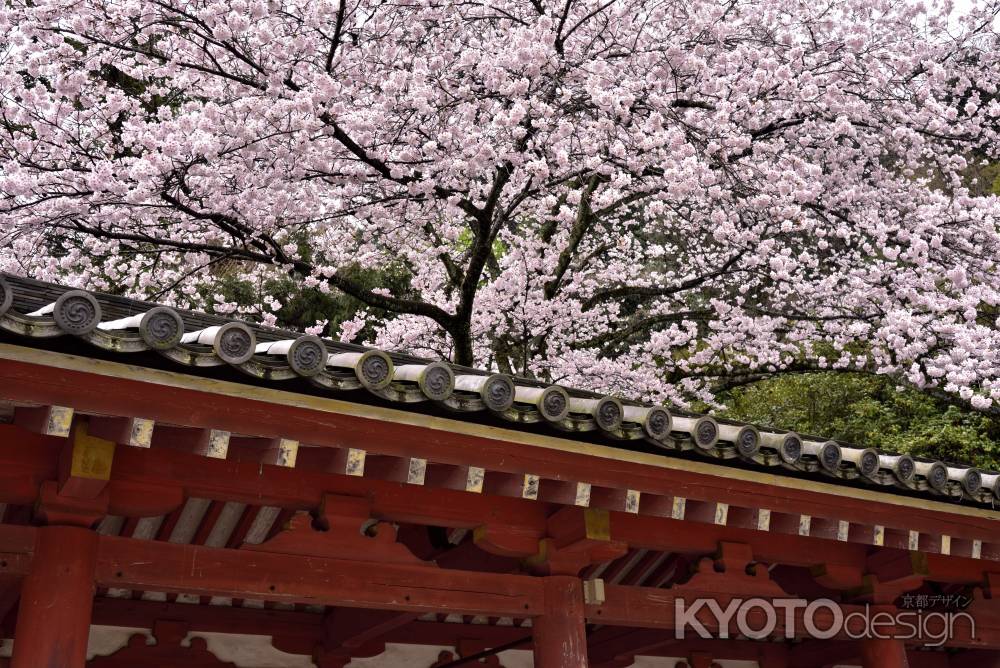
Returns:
(43, 311)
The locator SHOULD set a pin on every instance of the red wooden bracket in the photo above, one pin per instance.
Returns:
(168, 651)
(571, 559)
(578, 537)
(891, 573)
(56, 508)
(343, 530)
(517, 542)
(732, 573)
(895, 565)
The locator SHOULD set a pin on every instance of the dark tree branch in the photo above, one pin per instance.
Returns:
(582, 224)
(344, 284)
(624, 291)
(335, 40)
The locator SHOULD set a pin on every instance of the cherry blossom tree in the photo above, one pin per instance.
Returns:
(654, 198)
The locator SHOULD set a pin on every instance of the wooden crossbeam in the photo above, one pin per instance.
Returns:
(189, 569)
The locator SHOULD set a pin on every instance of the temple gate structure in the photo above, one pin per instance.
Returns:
(182, 489)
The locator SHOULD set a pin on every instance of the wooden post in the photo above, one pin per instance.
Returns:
(53, 617)
(560, 634)
(883, 653)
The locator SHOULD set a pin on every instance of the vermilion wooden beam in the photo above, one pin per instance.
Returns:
(177, 403)
(26, 459)
(151, 482)
(17, 548)
(141, 477)
(188, 569)
(46, 420)
(299, 632)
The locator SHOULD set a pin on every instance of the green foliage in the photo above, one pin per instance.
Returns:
(303, 307)
(463, 244)
(983, 178)
(870, 411)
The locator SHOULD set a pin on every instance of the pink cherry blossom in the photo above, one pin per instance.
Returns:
(658, 200)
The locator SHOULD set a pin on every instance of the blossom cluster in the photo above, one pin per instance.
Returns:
(660, 199)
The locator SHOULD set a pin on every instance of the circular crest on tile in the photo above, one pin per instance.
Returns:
(437, 381)
(77, 312)
(791, 449)
(658, 422)
(498, 392)
(905, 468)
(937, 476)
(748, 441)
(608, 413)
(374, 369)
(972, 481)
(161, 328)
(830, 456)
(706, 432)
(307, 355)
(868, 463)
(234, 343)
(554, 403)
(6, 295)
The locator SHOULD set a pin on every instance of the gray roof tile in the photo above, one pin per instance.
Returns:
(38, 310)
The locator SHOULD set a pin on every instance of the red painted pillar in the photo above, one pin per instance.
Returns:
(560, 634)
(53, 617)
(883, 653)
